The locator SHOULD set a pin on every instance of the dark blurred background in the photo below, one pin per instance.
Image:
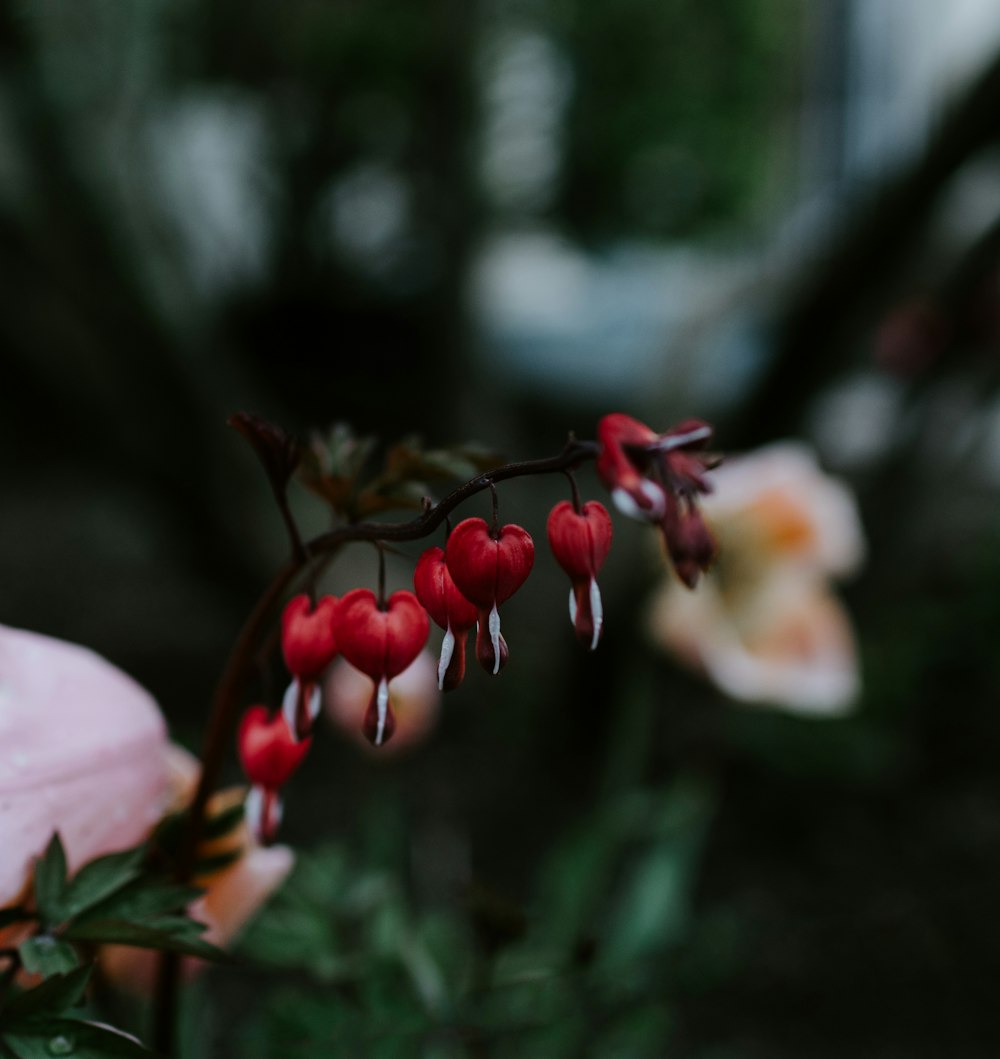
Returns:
(496, 222)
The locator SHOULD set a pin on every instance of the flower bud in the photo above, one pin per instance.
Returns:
(580, 542)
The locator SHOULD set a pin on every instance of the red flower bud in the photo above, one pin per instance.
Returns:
(309, 646)
(690, 544)
(267, 751)
(269, 755)
(580, 541)
(381, 643)
(449, 609)
(488, 569)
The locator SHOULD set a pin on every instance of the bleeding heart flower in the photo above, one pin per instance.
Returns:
(580, 541)
(381, 643)
(488, 568)
(269, 754)
(449, 609)
(657, 478)
(308, 644)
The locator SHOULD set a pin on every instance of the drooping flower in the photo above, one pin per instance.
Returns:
(580, 541)
(381, 642)
(269, 754)
(414, 693)
(658, 478)
(488, 567)
(764, 625)
(308, 646)
(449, 609)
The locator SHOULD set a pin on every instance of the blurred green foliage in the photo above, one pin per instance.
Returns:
(587, 968)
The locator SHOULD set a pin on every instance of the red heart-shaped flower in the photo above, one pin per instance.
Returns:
(268, 752)
(580, 541)
(487, 569)
(307, 639)
(439, 594)
(381, 643)
(450, 609)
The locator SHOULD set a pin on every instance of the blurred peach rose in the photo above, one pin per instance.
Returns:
(764, 625)
(84, 751)
(414, 695)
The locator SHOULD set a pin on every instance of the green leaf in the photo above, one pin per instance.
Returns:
(101, 878)
(143, 936)
(55, 994)
(50, 881)
(140, 900)
(44, 954)
(46, 1038)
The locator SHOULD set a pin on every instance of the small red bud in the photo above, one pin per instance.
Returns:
(580, 542)
(268, 753)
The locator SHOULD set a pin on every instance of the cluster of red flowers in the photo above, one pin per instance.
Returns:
(654, 477)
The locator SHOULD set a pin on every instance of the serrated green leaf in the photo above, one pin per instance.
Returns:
(46, 1038)
(45, 955)
(143, 936)
(141, 900)
(54, 995)
(50, 881)
(99, 879)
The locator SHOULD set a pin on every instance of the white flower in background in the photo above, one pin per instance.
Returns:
(764, 625)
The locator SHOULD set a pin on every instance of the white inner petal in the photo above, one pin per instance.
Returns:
(494, 627)
(596, 612)
(447, 649)
(572, 607)
(315, 701)
(627, 505)
(253, 810)
(289, 706)
(382, 704)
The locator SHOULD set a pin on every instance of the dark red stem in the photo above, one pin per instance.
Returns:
(228, 695)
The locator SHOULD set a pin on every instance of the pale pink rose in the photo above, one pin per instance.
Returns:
(764, 626)
(414, 696)
(84, 751)
(81, 752)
